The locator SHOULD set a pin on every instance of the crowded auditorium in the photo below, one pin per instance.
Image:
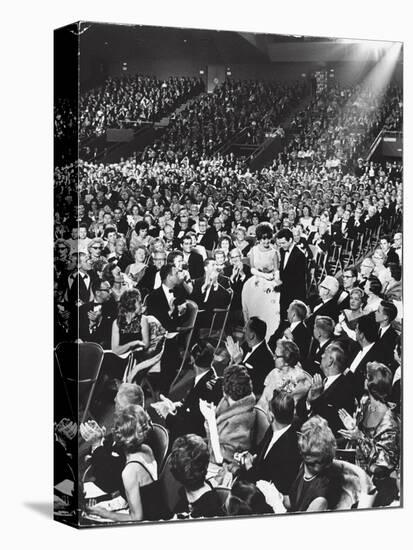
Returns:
(227, 276)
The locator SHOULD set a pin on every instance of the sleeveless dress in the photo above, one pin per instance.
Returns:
(259, 296)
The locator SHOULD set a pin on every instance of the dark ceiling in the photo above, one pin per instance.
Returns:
(115, 41)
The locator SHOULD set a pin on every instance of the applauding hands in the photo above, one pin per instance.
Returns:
(351, 432)
(234, 349)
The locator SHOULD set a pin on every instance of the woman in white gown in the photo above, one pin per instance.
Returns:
(260, 296)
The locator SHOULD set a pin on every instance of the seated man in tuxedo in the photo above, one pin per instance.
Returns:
(388, 337)
(78, 285)
(193, 260)
(327, 304)
(349, 282)
(96, 318)
(207, 236)
(237, 274)
(326, 397)
(278, 457)
(185, 416)
(152, 277)
(323, 335)
(366, 336)
(259, 359)
(391, 255)
(298, 331)
(212, 291)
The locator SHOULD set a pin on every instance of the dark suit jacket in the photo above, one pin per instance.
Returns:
(259, 364)
(340, 395)
(218, 298)
(195, 265)
(103, 333)
(293, 278)
(157, 305)
(302, 337)
(355, 228)
(237, 285)
(329, 309)
(189, 419)
(359, 376)
(210, 239)
(386, 344)
(313, 361)
(281, 463)
(392, 257)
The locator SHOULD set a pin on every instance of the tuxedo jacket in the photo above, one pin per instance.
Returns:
(103, 333)
(339, 395)
(392, 257)
(282, 462)
(195, 265)
(237, 285)
(358, 378)
(313, 360)
(293, 277)
(386, 344)
(210, 239)
(259, 364)
(329, 309)
(189, 419)
(217, 298)
(355, 228)
(157, 305)
(302, 337)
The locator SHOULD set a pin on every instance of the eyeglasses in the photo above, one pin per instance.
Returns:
(96, 247)
(104, 289)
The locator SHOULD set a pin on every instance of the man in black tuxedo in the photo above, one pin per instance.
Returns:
(96, 318)
(207, 236)
(356, 225)
(78, 285)
(349, 282)
(293, 271)
(185, 416)
(340, 229)
(121, 222)
(192, 259)
(151, 279)
(212, 291)
(278, 457)
(238, 273)
(327, 304)
(323, 335)
(326, 397)
(391, 255)
(166, 303)
(298, 330)
(259, 360)
(387, 337)
(366, 335)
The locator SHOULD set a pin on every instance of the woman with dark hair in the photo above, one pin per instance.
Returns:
(246, 500)
(372, 288)
(260, 296)
(229, 426)
(140, 236)
(189, 466)
(131, 428)
(226, 245)
(130, 331)
(375, 432)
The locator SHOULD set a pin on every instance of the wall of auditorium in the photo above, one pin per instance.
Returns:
(348, 73)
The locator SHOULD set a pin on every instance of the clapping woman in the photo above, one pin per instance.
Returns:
(375, 432)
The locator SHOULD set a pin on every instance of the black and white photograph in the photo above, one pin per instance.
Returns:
(228, 260)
